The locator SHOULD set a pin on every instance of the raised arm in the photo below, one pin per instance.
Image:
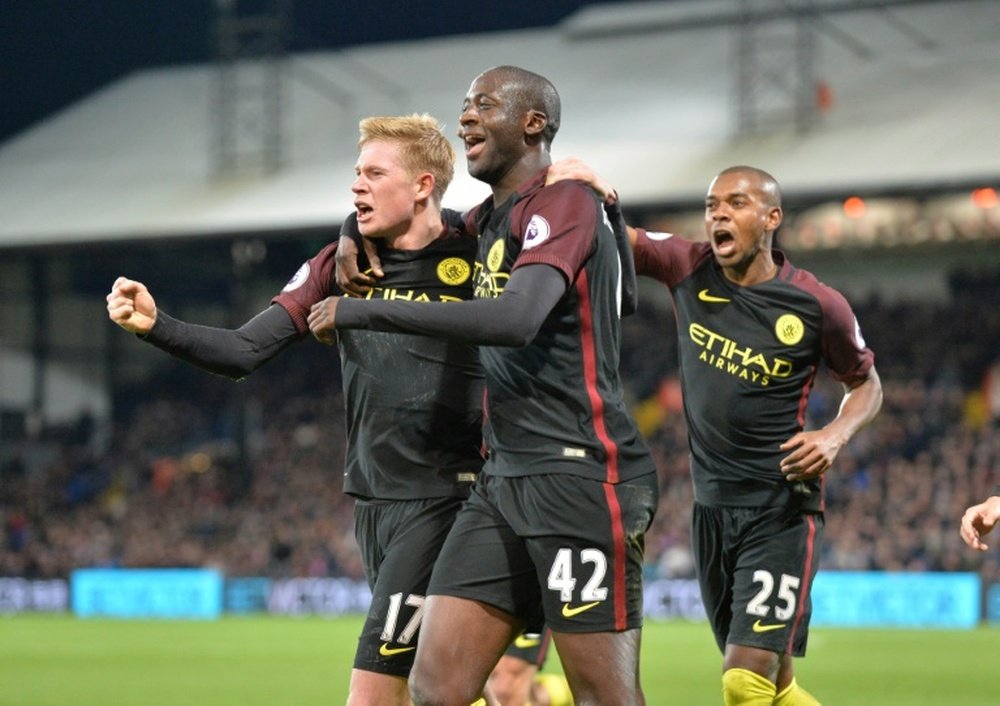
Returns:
(234, 353)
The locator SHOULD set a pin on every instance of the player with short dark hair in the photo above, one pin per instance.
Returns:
(554, 528)
(753, 331)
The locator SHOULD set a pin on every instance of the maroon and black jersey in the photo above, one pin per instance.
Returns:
(414, 403)
(748, 358)
(556, 404)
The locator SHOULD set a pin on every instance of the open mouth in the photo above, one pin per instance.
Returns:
(474, 145)
(364, 211)
(723, 241)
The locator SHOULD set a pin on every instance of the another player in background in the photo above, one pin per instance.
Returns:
(517, 680)
(413, 403)
(979, 520)
(554, 528)
(753, 331)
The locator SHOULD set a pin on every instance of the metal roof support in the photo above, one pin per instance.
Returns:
(251, 50)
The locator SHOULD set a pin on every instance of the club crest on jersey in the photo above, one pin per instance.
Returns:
(789, 329)
(298, 279)
(453, 271)
(537, 232)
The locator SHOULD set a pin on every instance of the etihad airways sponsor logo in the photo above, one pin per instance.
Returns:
(408, 295)
(743, 362)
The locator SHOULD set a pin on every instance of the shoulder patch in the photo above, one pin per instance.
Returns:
(537, 232)
(653, 235)
(298, 279)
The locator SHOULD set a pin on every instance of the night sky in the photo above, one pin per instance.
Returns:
(54, 52)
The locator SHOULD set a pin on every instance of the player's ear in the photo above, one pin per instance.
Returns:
(534, 124)
(774, 218)
(424, 186)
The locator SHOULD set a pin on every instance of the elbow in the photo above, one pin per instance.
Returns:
(515, 338)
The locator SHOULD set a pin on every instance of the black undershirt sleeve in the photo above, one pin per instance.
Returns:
(512, 319)
(234, 353)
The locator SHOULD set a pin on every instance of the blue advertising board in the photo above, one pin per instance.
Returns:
(896, 599)
(146, 593)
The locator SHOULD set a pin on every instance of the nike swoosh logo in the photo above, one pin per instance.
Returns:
(523, 643)
(706, 297)
(387, 651)
(757, 627)
(569, 612)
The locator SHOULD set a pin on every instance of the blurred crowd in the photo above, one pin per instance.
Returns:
(196, 470)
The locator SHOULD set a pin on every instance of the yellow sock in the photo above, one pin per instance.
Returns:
(556, 687)
(480, 702)
(741, 687)
(795, 695)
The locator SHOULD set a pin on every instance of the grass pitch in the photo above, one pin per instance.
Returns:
(63, 661)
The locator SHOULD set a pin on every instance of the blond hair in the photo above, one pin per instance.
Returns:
(423, 146)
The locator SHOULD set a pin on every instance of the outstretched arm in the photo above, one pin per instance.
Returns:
(813, 452)
(512, 319)
(234, 353)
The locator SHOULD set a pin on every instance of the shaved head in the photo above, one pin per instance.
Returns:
(533, 92)
(767, 184)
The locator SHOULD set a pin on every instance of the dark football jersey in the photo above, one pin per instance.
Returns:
(414, 404)
(556, 404)
(748, 358)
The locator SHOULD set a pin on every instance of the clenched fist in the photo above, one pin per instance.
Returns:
(131, 306)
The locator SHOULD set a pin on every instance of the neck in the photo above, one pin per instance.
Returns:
(526, 167)
(425, 228)
(760, 268)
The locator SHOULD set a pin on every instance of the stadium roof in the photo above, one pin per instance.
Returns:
(648, 100)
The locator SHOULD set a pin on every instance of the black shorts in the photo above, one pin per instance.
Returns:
(531, 647)
(555, 549)
(399, 541)
(756, 567)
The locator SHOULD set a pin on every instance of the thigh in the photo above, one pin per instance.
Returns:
(484, 560)
(710, 545)
(602, 667)
(400, 542)
(461, 641)
(587, 542)
(772, 579)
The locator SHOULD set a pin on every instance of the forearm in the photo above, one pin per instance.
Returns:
(859, 406)
(234, 353)
(512, 319)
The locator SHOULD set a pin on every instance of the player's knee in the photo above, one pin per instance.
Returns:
(742, 687)
(436, 692)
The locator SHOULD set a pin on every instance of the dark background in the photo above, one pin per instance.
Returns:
(54, 52)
